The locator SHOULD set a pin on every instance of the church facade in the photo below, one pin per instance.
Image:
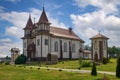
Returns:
(41, 38)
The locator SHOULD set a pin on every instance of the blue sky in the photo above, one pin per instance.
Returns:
(86, 17)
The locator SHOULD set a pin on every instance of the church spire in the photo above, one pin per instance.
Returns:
(29, 24)
(43, 17)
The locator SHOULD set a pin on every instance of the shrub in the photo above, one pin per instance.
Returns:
(118, 68)
(20, 59)
(6, 63)
(80, 62)
(94, 71)
(86, 64)
(60, 69)
(105, 60)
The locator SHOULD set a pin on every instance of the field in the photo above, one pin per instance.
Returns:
(10, 72)
(74, 64)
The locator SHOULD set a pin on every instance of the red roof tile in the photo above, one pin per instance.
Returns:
(29, 24)
(64, 33)
(99, 36)
(43, 18)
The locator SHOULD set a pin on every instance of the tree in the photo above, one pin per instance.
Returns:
(118, 68)
(94, 71)
(80, 62)
(20, 59)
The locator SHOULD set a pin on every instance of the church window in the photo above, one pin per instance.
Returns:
(56, 46)
(65, 47)
(73, 48)
(46, 41)
(38, 42)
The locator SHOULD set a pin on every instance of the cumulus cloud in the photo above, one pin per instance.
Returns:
(5, 40)
(106, 5)
(18, 21)
(5, 48)
(104, 19)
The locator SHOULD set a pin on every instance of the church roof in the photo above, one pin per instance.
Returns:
(60, 32)
(29, 24)
(43, 17)
(99, 36)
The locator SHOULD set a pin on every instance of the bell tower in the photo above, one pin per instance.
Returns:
(99, 47)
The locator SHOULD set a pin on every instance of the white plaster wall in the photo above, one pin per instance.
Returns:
(38, 48)
(65, 54)
(25, 48)
(44, 47)
(77, 47)
(53, 40)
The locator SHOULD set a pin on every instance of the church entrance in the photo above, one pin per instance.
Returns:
(101, 50)
(31, 52)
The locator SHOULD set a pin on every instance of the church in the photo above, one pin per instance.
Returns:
(41, 38)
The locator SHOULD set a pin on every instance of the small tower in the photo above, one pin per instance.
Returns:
(43, 25)
(14, 54)
(99, 47)
(28, 27)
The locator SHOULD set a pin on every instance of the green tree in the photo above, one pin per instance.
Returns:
(80, 62)
(94, 71)
(118, 68)
(20, 59)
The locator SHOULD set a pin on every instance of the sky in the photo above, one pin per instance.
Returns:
(86, 17)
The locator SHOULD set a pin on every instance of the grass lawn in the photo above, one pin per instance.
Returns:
(8, 72)
(74, 64)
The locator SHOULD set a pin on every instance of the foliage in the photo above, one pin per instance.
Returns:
(80, 62)
(20, 59)
(94, 71)
(6, 63)
(105, 60)
(118, 67)
(86, 64)
(113, 51)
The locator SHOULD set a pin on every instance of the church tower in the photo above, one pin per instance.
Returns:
(43, 25)
(99, 47)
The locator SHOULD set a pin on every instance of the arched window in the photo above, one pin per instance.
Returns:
(73, 48)
(56, 46)
(65, 47)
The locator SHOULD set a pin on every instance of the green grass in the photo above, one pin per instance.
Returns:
(8, 72)
(74, 64)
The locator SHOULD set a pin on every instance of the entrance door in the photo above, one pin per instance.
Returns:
(95, 56)
(101, 50)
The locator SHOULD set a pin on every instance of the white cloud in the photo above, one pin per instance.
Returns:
(13, 0)
(107, 6)
(6, 40)
(88, 24)
(5, 48)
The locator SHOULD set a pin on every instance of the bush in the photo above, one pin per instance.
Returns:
(80, 62)
(6, 63)
(86, 64)
(94, 71)
(105, 60)
(20, 59)
(118, 68)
